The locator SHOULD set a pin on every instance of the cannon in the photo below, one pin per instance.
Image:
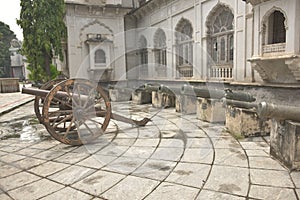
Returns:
(239, 104)
(169, 90)
(279, 112)
(75, 111)
(216, 94)
(202, 92)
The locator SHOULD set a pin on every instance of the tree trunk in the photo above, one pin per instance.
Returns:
(47, 64)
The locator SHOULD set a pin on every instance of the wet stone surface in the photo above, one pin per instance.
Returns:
(175, 156)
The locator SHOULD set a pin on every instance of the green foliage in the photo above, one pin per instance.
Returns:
(38, 74)
(6, 35)
(44, 29)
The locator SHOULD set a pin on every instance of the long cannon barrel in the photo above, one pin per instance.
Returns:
(169, 90)
(239, 96)
(41, 93)
(44, 93)
(202, 92)
(151, 88)
(269, 110)
(239, 104)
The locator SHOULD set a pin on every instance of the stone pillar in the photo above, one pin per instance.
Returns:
(285, 142)
(210, 110)
(186, 104)
(162, 100)
(243, 122)
(141, 97)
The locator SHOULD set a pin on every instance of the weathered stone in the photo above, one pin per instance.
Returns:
(36, 190)
(243, 122)
(131, 188)
(119, 94)
(186, 104)
(141, 97)
(285, 142)
(263, 192)
(162, 100)
(210, 110)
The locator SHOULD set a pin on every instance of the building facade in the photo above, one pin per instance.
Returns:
(194, 40)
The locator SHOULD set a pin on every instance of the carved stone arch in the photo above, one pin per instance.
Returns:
(180, 26)
(160, 39)
(82, 30)
(267, 15)
(142, 43)
(214, 13)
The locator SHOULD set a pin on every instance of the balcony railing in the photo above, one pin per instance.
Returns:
(221, 72)
(273, 48)
(185, 71)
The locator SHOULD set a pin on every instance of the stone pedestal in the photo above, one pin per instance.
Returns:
(186, 104)
(210, 110)
(9, 85)
(285, 142)
(141, 97)
(161, 100)
(119, 94)
(243, 122)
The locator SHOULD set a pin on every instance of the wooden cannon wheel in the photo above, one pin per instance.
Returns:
(39, 101)
(80, 102)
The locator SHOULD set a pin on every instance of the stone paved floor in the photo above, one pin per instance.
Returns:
(174, 157)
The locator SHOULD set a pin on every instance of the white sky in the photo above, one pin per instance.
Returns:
(9, 12)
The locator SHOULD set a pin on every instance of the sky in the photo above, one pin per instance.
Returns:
(9, 12)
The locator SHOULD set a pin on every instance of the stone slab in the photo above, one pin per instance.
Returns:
(231, 180)
(172, 191)
(270, 193)
(210, 110)
(99, 182)
(35, 190)
(263, 177)
(131, 188)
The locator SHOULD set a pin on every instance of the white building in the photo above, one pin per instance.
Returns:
(232, 41)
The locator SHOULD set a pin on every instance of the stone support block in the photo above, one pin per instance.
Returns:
(141, 97)
(119, 95)
(243, 122)
(210, 110)
(9, 85)
(285, 142)
(186, 104)
(161, 100)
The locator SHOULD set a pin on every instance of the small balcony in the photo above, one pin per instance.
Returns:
(185, 71)
(273, 48)
(221, 72)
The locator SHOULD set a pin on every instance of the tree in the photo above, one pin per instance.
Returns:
(6, 35)
(44, 30)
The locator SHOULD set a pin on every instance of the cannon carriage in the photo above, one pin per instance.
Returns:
(75, 111)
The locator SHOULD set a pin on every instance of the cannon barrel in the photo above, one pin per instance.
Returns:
(169, 90)
(269, 110)
(202, 92)
(239, 104)
(151, 88)
(239, 96)
(122, 89)
(44, 93)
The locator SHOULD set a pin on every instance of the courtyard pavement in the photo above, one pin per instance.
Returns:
(173, 157)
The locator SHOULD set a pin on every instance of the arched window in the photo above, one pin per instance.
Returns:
(222, 37)
(184, 48)
(276, 28)
(100, 57)
(160, 47)
(184, 42)
(143, 52)
(143, 56)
